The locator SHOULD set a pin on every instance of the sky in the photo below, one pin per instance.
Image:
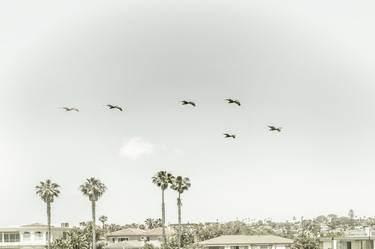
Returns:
(306, 66)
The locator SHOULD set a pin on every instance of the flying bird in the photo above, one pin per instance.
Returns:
(233, 101)
(229, 135)
(115, 107)
(184, 102)
(273, 128)
(69, 109)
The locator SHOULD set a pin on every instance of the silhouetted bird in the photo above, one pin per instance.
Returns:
(115, 107)
(69, 109)
(232, 101)
(184, 102)
(229, 135)
(273, 128)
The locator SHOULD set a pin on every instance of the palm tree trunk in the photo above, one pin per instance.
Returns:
(93, 224)
(163, 215)
(179, 220)
(49, 224)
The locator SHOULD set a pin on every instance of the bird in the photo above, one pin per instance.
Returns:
(185, 102)
(115, 107)
(68, 109)
(229, 135)
(273, 128)
(232, 101)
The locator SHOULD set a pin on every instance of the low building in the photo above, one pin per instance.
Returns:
(33, 236)
(247, 242)
(134, 238)
(353, 239)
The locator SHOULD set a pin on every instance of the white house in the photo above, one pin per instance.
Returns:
(134, 238)
(353, 239)
(33, 236)
(247, 242)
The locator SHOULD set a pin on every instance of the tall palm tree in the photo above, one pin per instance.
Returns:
(93, 188)
(163, 179)
(47, 191)
(180, 184)
(103, 219)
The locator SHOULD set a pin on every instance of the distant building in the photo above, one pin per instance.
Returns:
(247, 242)
(353, 239)
(33, 236)
(134, 238)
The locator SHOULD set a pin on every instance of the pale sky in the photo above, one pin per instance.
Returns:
(306, 66)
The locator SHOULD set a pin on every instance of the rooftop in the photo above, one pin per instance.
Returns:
(246, 239)
(140, 232)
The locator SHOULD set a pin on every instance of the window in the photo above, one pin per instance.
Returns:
(239, 247)
(265, 247)
(26, 236)
(123, 239)
(38, 236)
(11, 237)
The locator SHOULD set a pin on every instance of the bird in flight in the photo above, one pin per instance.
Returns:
(229, 135)
(273, 128)
(115, 107)
(69, 109)
(233, 101)
(184, 102)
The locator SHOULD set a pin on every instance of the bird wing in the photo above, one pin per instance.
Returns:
(192, 103)
(119, 108)
(271, 127)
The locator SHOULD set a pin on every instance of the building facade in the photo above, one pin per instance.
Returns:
(354, 239)
(134, 238)
(33, 236)
(247, 242)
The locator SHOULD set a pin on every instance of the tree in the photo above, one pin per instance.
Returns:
(47, 191)
(103, 219)
(93, 188)
(308, 238)
(73, 239)
(153, 223)
(163, 179)
(180, 184)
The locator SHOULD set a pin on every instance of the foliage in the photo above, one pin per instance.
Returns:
(47, 191)
(153, 223)
(73, 239)
(308, 238)
(181, 184)
(162, 179)
(148, 246)
(93, 188)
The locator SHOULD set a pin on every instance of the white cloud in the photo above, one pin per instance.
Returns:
(136, 147)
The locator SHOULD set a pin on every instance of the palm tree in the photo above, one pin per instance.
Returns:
(103, 219)
(180, 184)
(47, 191)
(93, 188)
(149, 223)
(163, 179)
